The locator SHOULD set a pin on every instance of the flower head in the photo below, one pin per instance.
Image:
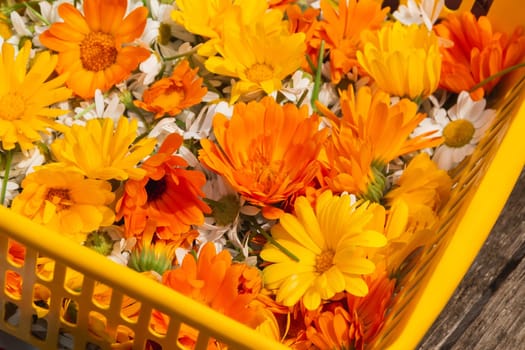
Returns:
(97, 48)
(330, 243)
(26, 95)
(352, 322)
(169, 96)
(100, 151)
(167, 200)
(249, 53)
(424, 188)
(213, 280)
(65, 202)
(341, 30)
(403, 60)
(462, 129)
(477, 52)
(266, 151)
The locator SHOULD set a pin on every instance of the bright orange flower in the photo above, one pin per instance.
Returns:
(266, 151)
(214, 281)
(477, 52)
(352, 322)
(96, 48)
(370, 133)
(171, 95)
(167, 199)
(341, 31)
(383, 125)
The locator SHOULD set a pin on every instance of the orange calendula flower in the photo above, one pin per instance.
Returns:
(266, 151)
(100, 151)
(341, 30)
(169, 96)
(370, 133)
(167, 200)
(97, 48)
(352, 322)
(65, 202)
(26, 94)
(477, 52)
(213, 280)
(378, 122)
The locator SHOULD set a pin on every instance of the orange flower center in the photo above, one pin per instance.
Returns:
(155, 189)
(13, 106)
(267, 174)
(259, 72)
(98, 51)
(324, 261)
(458, 133)
(59, 197)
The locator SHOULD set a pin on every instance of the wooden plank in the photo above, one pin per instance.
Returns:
(492, 288)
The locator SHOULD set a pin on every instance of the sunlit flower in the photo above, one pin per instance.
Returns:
(100, 151)
(96, 47)
(152, 254)
(352, 322)
(249, 53)
(419, 12)
(215, 281)
(266, 151)
(26, 95)
(403, 60)
(330, 244)
(167, 200)
(463, 127)
(341, 30)
(65, 202)
(384, 125)
(477, 52)
(169, 96)
(424, 188)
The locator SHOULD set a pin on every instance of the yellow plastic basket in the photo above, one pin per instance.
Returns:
(481, 188)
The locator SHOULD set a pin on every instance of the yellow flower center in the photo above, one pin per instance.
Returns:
(59, 197)
(12, 106)
(98, 51)
(324, 261)
(458, 133)
(259, 72)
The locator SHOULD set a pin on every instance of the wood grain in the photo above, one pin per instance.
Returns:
(487, 310)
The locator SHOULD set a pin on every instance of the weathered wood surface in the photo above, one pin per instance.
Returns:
(487, 310)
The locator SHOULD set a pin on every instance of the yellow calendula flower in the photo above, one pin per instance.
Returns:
(403, 60)
(260, 56)
(424, 188)
(26, 95)
(100, 151)
(65, 202)
(330, 242)
(207, 18)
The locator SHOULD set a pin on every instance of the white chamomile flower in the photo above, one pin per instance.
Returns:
(419, 12)
(463, 127)
(101, 106)
(11, 191)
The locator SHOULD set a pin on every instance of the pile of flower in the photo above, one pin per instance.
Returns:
(274, 160)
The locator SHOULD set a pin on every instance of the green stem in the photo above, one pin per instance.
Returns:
(497, 75)
(317, 82)
(9, 159)
(270, 239)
